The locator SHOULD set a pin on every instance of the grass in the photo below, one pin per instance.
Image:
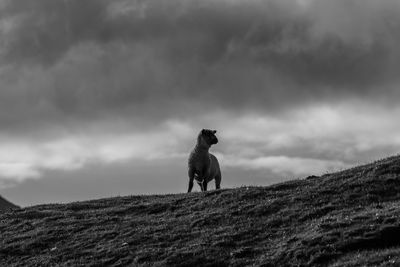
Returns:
(349, 218)
(6, 205)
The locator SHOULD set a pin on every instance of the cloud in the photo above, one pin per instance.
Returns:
(21, 159)
(68, 60)
(322, 132)
(282, 165)
(288, 83)
(316, 140)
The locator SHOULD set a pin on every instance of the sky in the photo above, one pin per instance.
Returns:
(104, 98)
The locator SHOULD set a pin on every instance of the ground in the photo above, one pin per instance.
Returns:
(349, 218)
(6, 205)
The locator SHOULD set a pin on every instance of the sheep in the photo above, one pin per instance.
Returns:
(202, 165)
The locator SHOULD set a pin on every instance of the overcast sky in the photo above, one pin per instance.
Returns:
(101, 98)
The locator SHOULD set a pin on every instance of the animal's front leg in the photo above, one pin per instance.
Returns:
(201, 184)
(199, 176)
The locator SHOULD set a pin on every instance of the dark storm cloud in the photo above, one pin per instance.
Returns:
(78, 60)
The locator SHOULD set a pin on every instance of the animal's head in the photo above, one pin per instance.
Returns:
(207, 137)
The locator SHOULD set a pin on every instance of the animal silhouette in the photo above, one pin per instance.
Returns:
(202, 165)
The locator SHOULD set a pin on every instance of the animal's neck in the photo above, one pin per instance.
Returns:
(202, 148)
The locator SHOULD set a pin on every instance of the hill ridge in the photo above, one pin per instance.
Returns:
(6, 205)
(348, 218)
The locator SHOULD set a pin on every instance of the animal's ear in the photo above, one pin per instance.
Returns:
(214, 131)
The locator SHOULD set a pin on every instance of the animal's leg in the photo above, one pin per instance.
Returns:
(201, 185)
(204, 185)
(218, 181)
(191, 178)
(203, 175)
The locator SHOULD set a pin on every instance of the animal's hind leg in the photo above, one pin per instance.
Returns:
(218, 181)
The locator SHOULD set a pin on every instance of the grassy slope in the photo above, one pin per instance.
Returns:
(350, 218)
(6, 205)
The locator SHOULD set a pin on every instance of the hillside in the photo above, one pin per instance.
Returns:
(6, 205)
(349, 218)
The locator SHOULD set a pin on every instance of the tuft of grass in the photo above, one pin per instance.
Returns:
(348, 218)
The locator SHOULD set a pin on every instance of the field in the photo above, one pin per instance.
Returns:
(349, 218)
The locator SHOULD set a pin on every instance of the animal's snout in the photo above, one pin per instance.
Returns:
(215, 140)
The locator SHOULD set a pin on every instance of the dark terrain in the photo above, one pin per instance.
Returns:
(6, 205)
(349, 218)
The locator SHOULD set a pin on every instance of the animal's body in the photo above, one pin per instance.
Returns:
(202, 165)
